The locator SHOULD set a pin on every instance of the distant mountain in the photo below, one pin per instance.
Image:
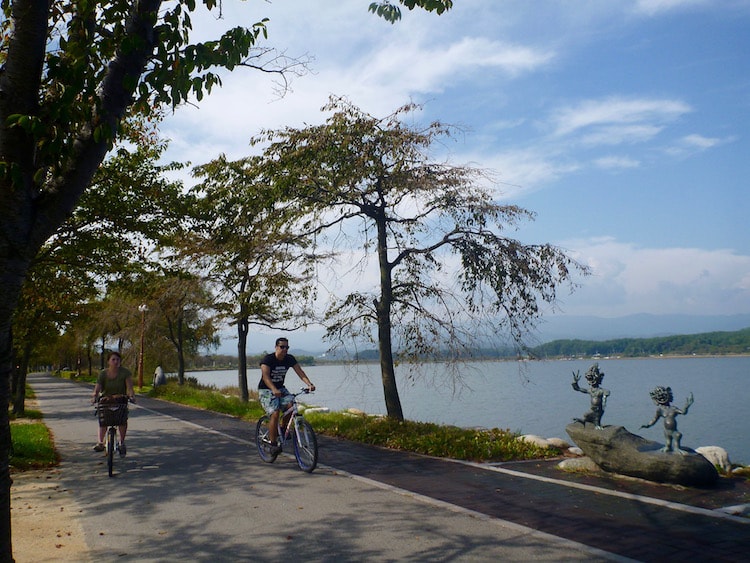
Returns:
(560, 327)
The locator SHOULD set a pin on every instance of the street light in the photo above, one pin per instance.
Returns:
(143, 308)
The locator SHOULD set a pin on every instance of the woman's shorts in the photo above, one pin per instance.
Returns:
(271, 403)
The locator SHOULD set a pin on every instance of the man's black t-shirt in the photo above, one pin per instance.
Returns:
(278, 369)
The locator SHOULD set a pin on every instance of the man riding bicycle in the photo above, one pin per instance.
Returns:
(274, 397)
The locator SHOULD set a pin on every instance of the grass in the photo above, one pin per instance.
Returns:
(428, 438)
(33, 447)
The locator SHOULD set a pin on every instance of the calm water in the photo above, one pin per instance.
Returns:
(536, 397)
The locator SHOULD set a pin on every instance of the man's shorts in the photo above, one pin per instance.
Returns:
(271, 403)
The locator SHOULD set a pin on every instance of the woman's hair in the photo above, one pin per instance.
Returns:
(114, 354)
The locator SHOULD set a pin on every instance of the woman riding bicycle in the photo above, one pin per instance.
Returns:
(115, 380)
(273, 396)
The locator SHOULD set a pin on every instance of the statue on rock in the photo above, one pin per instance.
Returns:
(663, 398)
(598, 395)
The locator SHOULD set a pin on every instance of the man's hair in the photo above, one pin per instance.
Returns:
(282, 339)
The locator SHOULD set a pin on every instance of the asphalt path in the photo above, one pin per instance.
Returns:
(192, 487)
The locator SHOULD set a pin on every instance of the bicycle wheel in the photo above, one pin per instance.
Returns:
(110, 449)
(305, 445)
(266, 452)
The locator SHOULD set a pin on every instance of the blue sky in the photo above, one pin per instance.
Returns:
(622, 124)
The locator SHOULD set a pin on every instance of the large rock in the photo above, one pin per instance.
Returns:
(718, 457)
(616, 450)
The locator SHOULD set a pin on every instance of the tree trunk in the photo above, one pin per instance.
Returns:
(242, 330)
(383, 313)
(387, 371)
(19, 401)
(12, 272)
(180, 355)
(6, 549)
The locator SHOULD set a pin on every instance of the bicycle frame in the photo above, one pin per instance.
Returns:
(292, 412)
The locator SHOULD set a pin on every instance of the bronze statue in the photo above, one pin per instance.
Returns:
(663, 397)
(598, 395)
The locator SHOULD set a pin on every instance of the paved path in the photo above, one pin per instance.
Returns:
(192, 486)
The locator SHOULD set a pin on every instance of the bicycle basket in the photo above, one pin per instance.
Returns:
(112, 414)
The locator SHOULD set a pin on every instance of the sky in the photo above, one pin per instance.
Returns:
(623, 125)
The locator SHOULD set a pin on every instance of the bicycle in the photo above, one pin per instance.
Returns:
(297, 428)
(112, 412)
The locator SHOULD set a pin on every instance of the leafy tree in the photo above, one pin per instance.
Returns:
(51, 300)
(69, 73)
(182, 301)
(374, 179)
(128, 212)
(247, 244)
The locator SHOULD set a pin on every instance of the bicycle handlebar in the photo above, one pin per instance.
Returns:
(99, 398)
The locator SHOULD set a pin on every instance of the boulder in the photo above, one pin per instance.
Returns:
(534, 439)
(616, 450)
(558, 443)
(716, 455)
(582, 464)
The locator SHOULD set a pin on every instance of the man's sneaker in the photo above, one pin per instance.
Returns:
(123, 449)
(275, 449)
(99, 447)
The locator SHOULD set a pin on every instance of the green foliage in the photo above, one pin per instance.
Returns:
(427, 438)
(392, 13)
(737, 342)
(245, 237)
(32, 446)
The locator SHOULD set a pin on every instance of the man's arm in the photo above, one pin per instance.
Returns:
(303, 376)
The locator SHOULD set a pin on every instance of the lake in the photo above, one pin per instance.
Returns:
(537, 398)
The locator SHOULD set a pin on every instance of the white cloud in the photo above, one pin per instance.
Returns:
(617, 111)
(692, 144)
(522, 171)
(628, 279)
(700, 142)
(654, 7)
(621, 134)
(616, 162)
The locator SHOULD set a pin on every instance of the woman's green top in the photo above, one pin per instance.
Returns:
(116, 385)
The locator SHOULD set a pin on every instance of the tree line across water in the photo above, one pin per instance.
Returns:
(704, 344)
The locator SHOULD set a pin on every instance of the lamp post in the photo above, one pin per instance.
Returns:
(143, 308)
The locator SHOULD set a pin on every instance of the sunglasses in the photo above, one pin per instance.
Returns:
(284, 347)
